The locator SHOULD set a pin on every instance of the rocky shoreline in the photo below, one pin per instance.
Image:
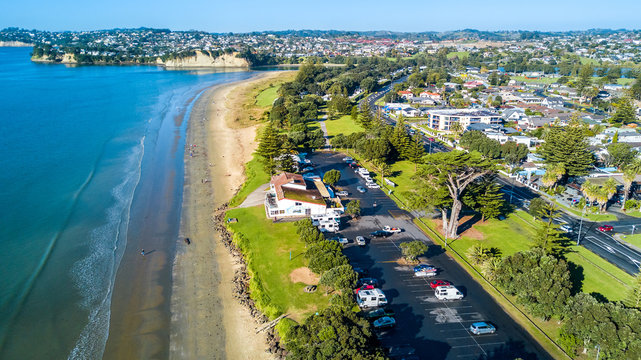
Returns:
(241, 283)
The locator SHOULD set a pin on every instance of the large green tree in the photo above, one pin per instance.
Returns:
(342, 278)
(453, 171)
(568, 146)
(625, 112)
(269, 148)
(415, 151)
(331, 177)
(413, 249)
(485, 197)
(620, 155)
(549, 237)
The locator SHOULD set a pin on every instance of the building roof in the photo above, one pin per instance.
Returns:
(297, 190)
(464, 112)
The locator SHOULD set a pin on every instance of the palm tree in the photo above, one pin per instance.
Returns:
(608, 190)
(456, 127)
(629, 174)
(553, 174)
(590, 191)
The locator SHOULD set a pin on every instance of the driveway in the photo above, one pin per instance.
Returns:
(436, 329)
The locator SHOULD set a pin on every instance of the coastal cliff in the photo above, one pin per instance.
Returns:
(14, 44)
(203, 60)
(64, 59)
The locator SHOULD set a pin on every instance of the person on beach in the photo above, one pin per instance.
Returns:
(142, 252)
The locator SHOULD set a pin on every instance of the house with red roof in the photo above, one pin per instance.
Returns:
(292, 196)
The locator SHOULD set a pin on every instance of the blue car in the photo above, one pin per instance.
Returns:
(480, 328)
(425, 270)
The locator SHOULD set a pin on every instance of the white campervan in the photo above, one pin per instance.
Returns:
(371, 298)
(448, 293)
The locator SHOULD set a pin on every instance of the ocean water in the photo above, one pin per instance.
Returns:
(72, 145)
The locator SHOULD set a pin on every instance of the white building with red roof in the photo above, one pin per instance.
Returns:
(291, 196)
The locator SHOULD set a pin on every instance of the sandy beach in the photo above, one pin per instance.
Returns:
(207, 322)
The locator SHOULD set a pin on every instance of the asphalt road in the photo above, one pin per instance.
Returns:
(602, 244)
(436, 329)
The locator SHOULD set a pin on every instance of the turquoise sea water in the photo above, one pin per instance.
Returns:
(72, 141)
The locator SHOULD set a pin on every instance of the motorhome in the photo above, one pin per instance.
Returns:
(448, 293)
(371, 298)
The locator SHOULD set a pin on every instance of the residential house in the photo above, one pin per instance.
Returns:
(292, 196)
(514, 114)
(554, 102)
(534, 122)
(405, 94)
(473, 84)
(430, 95)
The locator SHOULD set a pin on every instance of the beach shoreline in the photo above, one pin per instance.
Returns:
(206, 320)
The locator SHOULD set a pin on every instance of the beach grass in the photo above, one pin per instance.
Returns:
(273, 251)
(343, 125)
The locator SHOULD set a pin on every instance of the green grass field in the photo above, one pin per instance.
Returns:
(633, 239)
(255, 176)
(515, 233)
(267, 96)
(588, 215)
(459, 54)
(343, 125)
(545, 80)
(268, 251)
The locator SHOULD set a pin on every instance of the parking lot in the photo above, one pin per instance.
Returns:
(436, 329)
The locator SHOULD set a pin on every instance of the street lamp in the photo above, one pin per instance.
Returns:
(578, 238)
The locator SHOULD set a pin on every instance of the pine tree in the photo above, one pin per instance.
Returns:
(415, 151)
(269, 148)
(365, 116)
(615, 138)
(491, 201)
(354, 113)
(625, 113)
(548, 236)
(399, 139)
(567, 146)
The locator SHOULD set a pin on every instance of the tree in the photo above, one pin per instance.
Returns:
(334, 333)
(485, 197)
(354, 113)
(540, 282)
(415, 151)
(548, 236)
(269, 148)
(308, 233)
(635, 90)
(567, 146)
(536, 207)
(585, 76)
(625, 112)
(629, 174)
(324, 255)
(607, 190)
(331, 177)
(342, 278)
(399, 139)
(365, 116)
(553, 174)
(615, 138)
(454, 171)
(633, 299)
(456, 128)
(621, 154)
(353, 208)
(286, 163)
(513, 153)
(590, 191)
(413, 249)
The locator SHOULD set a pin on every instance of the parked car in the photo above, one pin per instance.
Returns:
(385, 322)
(380, 233)
(361, 189)
(480, 328)
(360, 241)
(566, 228)
(605, 228)
(342, 193)
(436, 283)
(424, 270)
(371, 298)
(392, 229)
(448, 293)
(340, 239)
(347, 158)
(367, 281)
(364, 287)
(373, 185)
(379, 313)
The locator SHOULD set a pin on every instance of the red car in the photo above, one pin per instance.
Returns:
(364, 287)
(436, 283)
(606, 228)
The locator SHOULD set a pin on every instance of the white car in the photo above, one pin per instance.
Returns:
(342, 193)
(566, 227)
(373, 185)
(360, 241)
(347, 158)
(392, 229)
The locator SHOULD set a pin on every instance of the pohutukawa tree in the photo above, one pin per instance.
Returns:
(447, 175)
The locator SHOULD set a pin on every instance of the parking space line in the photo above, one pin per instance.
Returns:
(494, 343)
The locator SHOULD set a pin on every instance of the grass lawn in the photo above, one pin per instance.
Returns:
(588, 215)
(268, 252)
(514, 233)
(635, 213)
(255, 176)
(633, 239)
(266, 97)
(343, 125)
(459, 54)
(625, 81)
(544, 80)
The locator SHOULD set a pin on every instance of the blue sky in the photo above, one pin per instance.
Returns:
(244, 16)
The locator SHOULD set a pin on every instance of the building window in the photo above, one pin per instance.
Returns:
(298, 204)
(282, 211)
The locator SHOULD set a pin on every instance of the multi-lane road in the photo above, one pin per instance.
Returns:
(435, 329)
(602, 244)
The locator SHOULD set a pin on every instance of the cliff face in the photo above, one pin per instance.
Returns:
(14, 44)
(201, 60)
(65, 59)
